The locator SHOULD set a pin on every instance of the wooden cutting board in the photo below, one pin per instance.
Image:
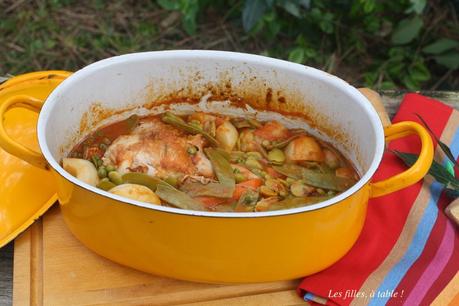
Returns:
(51, 267)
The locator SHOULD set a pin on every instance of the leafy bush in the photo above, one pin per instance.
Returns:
(390, 43)
(383, 44)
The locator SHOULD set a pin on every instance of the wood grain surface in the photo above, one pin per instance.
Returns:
(53, 268)
(6, 274)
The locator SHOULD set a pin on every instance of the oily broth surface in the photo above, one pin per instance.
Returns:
(228, 108)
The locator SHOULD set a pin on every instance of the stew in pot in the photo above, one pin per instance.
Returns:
(211, 162)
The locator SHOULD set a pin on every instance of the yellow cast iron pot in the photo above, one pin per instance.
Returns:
(212, 246)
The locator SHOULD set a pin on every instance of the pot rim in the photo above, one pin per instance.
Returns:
(215, 55)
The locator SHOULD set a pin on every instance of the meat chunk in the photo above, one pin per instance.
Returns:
(158, 149)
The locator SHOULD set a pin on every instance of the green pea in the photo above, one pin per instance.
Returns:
(254, 155)
(192, 150)
(195, 123)
(115, 177)
(253, 163)
(102, 172)
(110, 168)
(172, 180)
(103, 146)
(276, 156)
(239, 177)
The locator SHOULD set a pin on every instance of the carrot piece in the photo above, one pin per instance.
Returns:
(241, 187)
(210, 202)
(273, 173)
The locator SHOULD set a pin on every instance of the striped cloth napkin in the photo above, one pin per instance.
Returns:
(408, 252)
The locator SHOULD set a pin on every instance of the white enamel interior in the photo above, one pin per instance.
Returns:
(134, 79)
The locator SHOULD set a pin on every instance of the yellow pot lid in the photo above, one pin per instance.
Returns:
(26, 192)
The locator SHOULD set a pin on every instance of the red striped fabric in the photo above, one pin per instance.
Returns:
(451, 268)
(365, 266)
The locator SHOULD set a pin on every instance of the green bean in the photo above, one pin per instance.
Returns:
(245, 123)
(105, 185)
(132, 122)
(212, 189)
(177, 198)
(314, 178)
(178, 122)
(254, 123)
(222, 168)
(141, 179)
(283, 143)
(223, 153)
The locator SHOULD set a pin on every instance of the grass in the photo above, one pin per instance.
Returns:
(51, 35)
(67, 35)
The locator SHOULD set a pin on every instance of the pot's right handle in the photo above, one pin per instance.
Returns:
(418, 170)
(398, 130)
(10, 145)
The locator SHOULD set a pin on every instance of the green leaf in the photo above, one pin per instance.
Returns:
(296, 55)
(452, 193)
(407, 30)
(419, 72)
(189, 24)
(305, 3)
(436, 170)
(441, 45)
(292, 8)
(169, 4)
(395, 69)
(368, 6)
(410, 83)
(450, 60)
(442, 145)
(252, 13)
(417, 6)
(386, 85)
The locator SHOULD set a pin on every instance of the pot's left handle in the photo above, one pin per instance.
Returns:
(10, 145)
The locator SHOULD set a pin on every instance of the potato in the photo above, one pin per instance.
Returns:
(82, 169)
(227, 135)
(304, 148)
(136, 192)
(331, 159)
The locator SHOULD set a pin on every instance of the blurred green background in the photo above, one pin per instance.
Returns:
(407, 44)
